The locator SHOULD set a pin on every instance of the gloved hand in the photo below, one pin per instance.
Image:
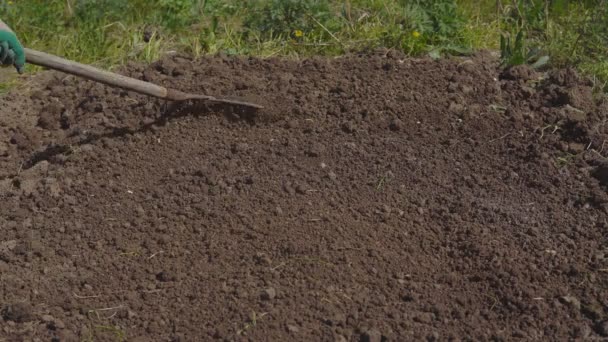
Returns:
(11, 50)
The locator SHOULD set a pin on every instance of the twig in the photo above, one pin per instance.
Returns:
(504, 136)
(97, 311)
(542, 132)
(85, 297)
(326, 300)
(278, 266)
(151, 291)
(153, 255)
(312, 44)
(598, 153)
(108, 309)
(326, 30)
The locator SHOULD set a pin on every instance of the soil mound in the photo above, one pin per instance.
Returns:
(376, 198)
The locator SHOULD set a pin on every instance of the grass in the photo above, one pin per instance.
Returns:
(109, 33)
(252, 323)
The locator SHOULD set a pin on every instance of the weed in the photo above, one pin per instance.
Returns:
(7, 85)
(570, 33)
(516, 52)
(564, 160)
(110, 32)
(117, 332)
(498, 108)
(524, 21)
(283, 17)
(253, 321)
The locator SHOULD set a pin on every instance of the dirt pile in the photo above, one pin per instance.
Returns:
(377, 198)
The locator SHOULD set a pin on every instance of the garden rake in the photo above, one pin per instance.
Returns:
(116, 80)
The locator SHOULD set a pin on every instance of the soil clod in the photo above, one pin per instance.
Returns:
(18, 312)
(269, 294)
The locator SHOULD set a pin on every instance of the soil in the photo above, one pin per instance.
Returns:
(375, 198)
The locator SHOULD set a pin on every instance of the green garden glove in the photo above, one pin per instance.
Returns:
(11, 51)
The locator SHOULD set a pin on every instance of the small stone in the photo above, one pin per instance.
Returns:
(315, 150)
(67, 335)
(291, 124)
(349, 127)
(466, 89)
(452, 87)
(331, 175)
(50, 116)
(164, 239)
(340, 338)
(573, 301)
(37, 95)
(42, 168)
(3, 149)
(371, 335)
(165, 276)
(262, 259)
(47, 318)
(131, 314)
(527, 92)
(601, 173)
(434, 336)
(300, 189)
(602, 328)
(518, 72)
(576, 148)
(240, 147)
(456, 108)
(574, 114)
(593, 311)
(18, 312)
(56, 90)
(293, 328)
(396, 125)
(269, 294)
(19, 140)
(86, 148)
(582, 331)
(58, 324)
(289, 189)
(425, 317)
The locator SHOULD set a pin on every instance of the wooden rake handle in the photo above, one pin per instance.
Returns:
(120, 81)
(94, 74)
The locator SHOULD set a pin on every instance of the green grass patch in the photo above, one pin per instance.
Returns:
(110, 32)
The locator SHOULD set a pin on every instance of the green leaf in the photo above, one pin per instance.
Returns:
(540, 62)
(459, 49)
(435, 54)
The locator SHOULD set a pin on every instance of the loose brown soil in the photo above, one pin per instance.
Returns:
(376, 198)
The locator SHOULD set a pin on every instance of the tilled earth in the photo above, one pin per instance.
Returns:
(376, 198)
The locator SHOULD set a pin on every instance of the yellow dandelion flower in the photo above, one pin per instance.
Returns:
(415, 34)
(298, 33)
